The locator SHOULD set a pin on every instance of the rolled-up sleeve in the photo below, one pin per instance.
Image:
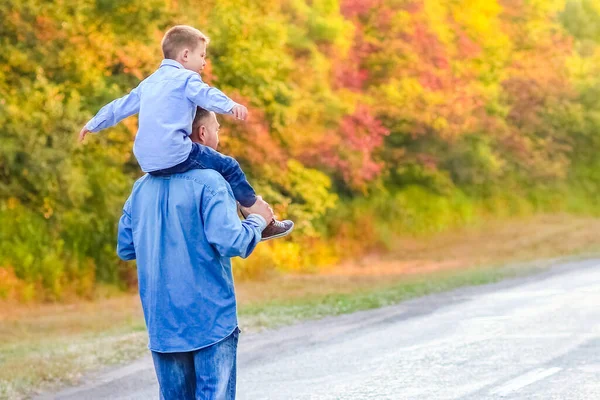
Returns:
(224, 230)
(125, 247)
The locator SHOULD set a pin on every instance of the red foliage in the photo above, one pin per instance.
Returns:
(352, 154)
(467, 48)
(358, 8)
(349, 73)
(250, 140)
(351, 76)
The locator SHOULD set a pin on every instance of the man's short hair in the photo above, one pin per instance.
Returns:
(201, 115)
(179, 37)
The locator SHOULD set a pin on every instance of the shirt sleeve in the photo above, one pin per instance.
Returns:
(224, 230)
(125, 247)
(115, 111)
(207, 97)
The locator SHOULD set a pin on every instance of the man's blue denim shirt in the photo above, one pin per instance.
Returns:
(166, 102)
(183, 229)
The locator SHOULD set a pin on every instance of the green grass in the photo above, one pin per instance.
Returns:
(285, 312)
(45, 361)
(60, 362)
(43, 347)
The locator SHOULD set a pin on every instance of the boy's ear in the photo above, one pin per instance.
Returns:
(184, 54)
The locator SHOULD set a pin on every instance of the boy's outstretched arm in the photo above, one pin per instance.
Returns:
(212, 99)
(112, 113)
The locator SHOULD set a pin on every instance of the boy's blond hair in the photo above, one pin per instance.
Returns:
(180, 37)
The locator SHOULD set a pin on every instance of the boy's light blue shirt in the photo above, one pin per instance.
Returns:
(166, 102)
(183, 229)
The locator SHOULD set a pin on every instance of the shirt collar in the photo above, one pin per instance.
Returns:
(172, 63)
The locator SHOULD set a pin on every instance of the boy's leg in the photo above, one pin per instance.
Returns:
(229, 168)
(216, 369)
(176, 375)
(275, 229)
(180, 168)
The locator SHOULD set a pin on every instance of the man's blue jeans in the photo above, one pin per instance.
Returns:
(208, 373)
(203, 157)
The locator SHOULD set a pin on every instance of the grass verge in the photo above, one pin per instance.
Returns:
(285, 312)
(47, 346)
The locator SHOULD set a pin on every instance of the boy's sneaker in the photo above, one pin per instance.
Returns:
(275, 229)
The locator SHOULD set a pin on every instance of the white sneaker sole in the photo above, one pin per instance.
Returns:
(280, 235)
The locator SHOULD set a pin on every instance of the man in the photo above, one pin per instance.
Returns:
(183, 229)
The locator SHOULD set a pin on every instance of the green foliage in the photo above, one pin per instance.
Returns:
(369, 119)
(582, 19)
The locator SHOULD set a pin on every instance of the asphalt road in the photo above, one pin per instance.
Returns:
(528, 338)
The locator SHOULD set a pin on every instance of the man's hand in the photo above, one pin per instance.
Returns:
(239, 111)
(261, 208)
(82, 134)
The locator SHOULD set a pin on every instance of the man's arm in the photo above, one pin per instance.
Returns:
(113, 113)
(125, 248)
(207, 97)
(224, 230)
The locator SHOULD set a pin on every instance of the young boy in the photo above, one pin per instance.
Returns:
(166, 102)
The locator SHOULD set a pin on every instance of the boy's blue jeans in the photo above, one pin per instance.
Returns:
(208, 373)
(203, 157)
